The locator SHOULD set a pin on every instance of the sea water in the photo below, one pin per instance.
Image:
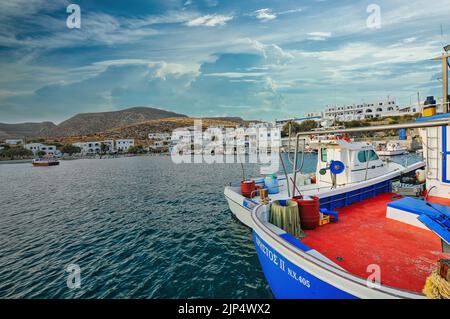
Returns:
(138, 227)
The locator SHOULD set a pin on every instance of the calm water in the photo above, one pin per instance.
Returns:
(138, 227)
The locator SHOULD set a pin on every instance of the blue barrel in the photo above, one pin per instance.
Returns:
(402, 134)
(271, 183)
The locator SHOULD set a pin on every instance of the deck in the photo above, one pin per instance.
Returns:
(364, 236)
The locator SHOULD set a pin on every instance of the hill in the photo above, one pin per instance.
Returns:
(140, 131)
(90, 123)
(22, 130)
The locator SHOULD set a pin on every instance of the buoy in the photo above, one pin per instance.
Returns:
(337, 167)
(420, 175)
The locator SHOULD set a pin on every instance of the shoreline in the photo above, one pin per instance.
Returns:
(25, 161)
(21, 161)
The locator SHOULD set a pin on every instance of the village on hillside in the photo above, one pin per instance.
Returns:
(155, 136)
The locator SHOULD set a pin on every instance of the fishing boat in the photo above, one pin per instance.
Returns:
(392, 149)
(45, 161)
(368, 242)
(401, 239)
(362, 170)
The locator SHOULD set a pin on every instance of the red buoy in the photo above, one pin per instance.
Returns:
(309, 210)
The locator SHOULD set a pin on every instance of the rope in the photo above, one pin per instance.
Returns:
(436, 287)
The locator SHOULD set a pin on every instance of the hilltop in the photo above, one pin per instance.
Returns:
(90, 123)
(10, 131)
(85, 123)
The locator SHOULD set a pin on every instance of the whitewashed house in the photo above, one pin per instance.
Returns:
(14, 142)
(362, 110)
(89, 148)
(159, 136)
(159, 141)
(39, 147)
(123, 145)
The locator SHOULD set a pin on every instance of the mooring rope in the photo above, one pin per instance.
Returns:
(436, 287)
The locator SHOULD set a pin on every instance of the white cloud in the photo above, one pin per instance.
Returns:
(209, 20)
(319, 36)
(235, 75)
(410, 40)
(265, 14)
(345, 53)
(272, 53)
(167, 18)
(162, 68)
(290, 11)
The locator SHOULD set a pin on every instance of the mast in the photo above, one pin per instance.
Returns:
(444, 60)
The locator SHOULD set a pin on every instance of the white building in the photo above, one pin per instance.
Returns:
(159, 136)
(123, 145)
(89, 147)
(361, 111)
(14, 141)
(108, 146)
(38, 147)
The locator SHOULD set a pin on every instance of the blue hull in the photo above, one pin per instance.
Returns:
(288, 281)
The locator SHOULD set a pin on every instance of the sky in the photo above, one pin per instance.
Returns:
(260, 60)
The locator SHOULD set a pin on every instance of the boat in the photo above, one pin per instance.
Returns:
(392, 149)
(364, 170)
(368, 241)
(380, 247)
(45, 161)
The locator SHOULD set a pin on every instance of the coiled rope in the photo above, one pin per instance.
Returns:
(436, 287)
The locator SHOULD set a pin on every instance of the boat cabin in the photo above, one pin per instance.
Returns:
(360, 160)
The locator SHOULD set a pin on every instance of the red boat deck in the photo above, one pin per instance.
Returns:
(364, 236)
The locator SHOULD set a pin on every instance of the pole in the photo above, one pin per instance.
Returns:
(445, 106)
(295, 166)
(418, 102)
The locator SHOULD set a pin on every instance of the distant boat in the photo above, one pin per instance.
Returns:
(392, 149)
(45, 161)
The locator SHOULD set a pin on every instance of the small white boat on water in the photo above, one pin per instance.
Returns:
(363, 169)
(45, 161)
(392, 149)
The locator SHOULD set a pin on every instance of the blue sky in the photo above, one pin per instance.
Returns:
(255, 59)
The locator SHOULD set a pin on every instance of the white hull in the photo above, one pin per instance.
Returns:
(239, 211)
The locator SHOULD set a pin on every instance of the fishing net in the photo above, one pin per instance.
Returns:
(285, 215)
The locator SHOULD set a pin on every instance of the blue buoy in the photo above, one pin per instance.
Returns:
(337, 167)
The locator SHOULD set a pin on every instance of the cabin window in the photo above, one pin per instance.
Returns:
(364, 155)
(323, 155)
